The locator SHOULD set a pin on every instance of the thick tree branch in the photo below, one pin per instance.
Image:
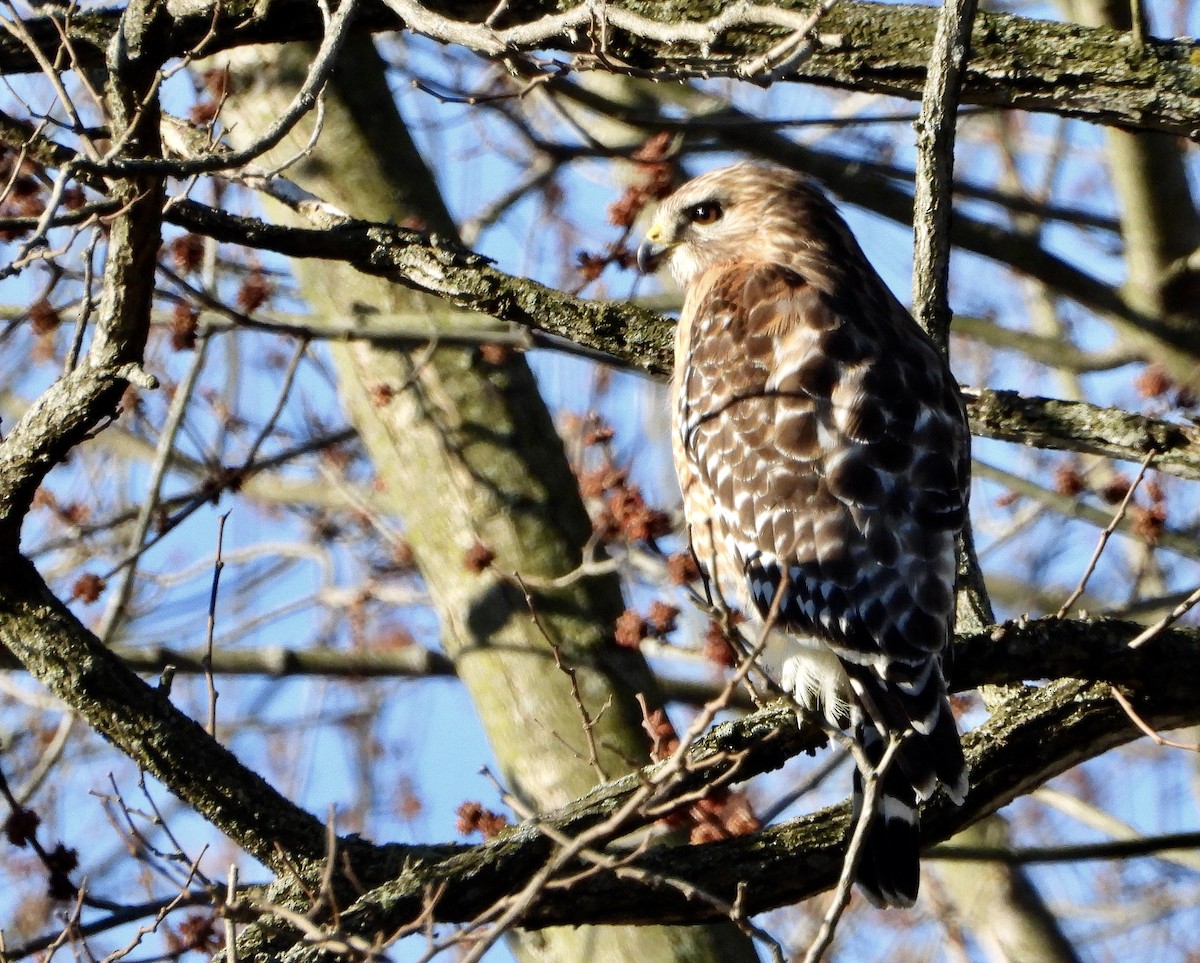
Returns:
(67, 411)
(936, 129)
(428, 264)
(1034, 735)
(643, 339)
(1090, 429)
(1097, 74)
(141, 721)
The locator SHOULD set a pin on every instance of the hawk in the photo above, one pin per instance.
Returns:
(824, 458)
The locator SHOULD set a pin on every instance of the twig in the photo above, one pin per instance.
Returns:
(1150, 846)
(161, 823)
(218, 564)
(806, 785)
(180, 899)
(87, 305)
(49, 757)
(209, 491)
(182, 139)
(1096, 818)
(231, 901)
(1167, 620)
(326, 895)
(1104, 537)
(69, 931)
(289, 378)
(592, 569)
(789, 53)
(115, 613)
(1146, 728)
(337, 943)
(872, 780)
(1137, 16)
(589, 722)
(117, 917)
(539, 173)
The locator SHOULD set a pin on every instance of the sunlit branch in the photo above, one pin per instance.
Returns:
(1065, 68)
(1037, 733)
(644, 339)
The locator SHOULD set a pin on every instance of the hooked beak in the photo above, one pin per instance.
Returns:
(652, 251)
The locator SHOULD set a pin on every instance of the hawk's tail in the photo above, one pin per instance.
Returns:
(889, 871)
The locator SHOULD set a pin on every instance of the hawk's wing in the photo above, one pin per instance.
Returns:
(822, 445)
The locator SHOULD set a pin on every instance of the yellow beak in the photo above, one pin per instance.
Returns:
(653, 250)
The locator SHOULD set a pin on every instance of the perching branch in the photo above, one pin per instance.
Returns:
(1036, 734)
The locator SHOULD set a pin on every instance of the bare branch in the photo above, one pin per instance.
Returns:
(644, 339)
(1037, 733)
(1112, 849)
(936, 128)
(1064, 68)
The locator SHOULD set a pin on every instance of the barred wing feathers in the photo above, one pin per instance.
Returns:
(823, 455)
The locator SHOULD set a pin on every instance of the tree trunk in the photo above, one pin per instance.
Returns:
(468, 455)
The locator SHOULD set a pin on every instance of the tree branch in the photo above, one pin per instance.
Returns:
(426, 263)
(1090, 429)
(1079, 852)
(644, 339)
(140, 721)
(936, 129)
(1096, 74)
(1034, 735)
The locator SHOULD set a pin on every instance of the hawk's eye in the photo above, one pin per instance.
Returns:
(707, 212)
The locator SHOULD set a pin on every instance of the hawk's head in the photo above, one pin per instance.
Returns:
(732, 213)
